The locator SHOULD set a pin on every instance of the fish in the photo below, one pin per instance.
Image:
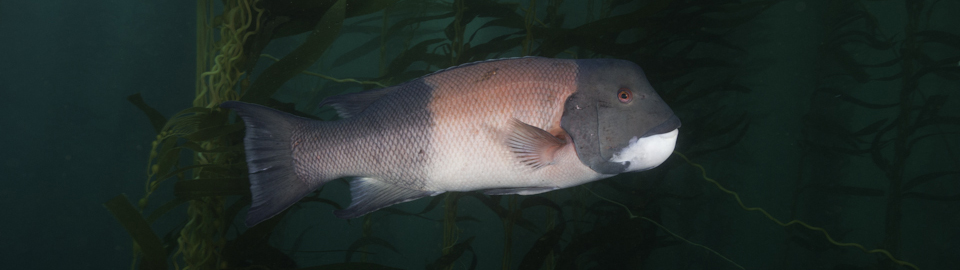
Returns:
(507, 126)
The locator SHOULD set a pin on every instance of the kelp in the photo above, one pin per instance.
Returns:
(367, 241)
(454, 252)
(543, 247)
(154, 255)
(350, 266)
(623, 237)
(156, 118)
(200, 150)
(324, 33)
(196, 188)
(888, 140)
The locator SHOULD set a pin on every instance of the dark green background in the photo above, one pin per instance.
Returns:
(71, 141)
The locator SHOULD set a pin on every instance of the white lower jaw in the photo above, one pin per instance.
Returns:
(648, 152)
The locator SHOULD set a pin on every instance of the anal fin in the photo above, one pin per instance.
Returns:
(370, 194)
(519, 190)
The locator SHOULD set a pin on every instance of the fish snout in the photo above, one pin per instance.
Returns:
(672, 123)
(650, 150)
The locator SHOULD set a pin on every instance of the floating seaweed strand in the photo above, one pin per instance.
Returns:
(781, 223)
(765, 213)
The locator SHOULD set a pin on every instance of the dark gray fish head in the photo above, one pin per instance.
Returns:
(617, 121)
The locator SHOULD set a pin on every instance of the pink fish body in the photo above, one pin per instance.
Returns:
(511, 126)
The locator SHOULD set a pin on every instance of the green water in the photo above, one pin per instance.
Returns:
(840, 114)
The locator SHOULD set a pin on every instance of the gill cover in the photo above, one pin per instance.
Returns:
(600, 124)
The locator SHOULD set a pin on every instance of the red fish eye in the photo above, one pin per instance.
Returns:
(624, 95)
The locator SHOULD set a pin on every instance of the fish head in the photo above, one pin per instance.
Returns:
(616, 120)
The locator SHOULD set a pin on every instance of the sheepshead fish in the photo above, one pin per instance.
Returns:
(509, 126)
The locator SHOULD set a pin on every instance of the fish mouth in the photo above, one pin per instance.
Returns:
(646, 152)
(671, 124)
(650, 150)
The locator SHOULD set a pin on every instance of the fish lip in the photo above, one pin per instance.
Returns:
(667, 126)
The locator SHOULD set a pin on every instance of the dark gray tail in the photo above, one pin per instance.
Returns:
(274, 183)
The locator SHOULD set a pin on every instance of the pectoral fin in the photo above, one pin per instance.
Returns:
(370, 195)
(533, 146)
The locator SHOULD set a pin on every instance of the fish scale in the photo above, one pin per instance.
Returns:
(510, 126)
(357, 147)
(531, 90)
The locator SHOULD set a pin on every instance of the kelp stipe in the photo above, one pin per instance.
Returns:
(859, 55)
(571, 229)
(204, 131)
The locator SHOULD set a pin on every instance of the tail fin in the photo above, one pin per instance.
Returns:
(274, 183)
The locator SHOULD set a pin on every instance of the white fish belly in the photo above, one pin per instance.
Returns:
(465, 163)
(480, 160)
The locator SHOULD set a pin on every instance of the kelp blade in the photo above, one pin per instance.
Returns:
(154, 256)
(324, 33)
(156, 118)
(350, 266)
(193, 189)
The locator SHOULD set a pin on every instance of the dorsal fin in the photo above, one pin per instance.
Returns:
(480, 62)
(349, 105)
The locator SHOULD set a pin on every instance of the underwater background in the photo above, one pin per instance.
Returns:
(839, 114)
